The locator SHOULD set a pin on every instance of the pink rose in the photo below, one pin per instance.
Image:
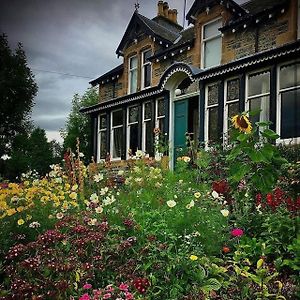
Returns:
(237, 232)
(87, 286)
(123, 287)
(85, 297)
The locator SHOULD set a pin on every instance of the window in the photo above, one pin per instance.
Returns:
(160, 115)
(132, 129)
(231, 103)
(288, 112)
(116, 149)
(102, 127)
(133, 62)
(146, 69)
(211, 44)
(147, 144)
(211, 115)
(258, 96)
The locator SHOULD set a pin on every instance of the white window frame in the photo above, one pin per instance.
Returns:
(203, 41)
(248, 99)
(289, 141)
(112, 134)
(143, 65)
(130, 71)
(225, 117)
(207, 107)
(128, 131)
(144, 121)
(157, 117)
(99, 159)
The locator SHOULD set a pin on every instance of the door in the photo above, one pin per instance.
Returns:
(180, 127)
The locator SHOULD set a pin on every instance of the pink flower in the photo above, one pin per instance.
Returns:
(87, 286)
(123, 287)
(237, 232)
(107, 296)
(85, 297)
(129, 296)
(109, 289)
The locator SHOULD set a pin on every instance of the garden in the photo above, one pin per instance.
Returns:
(224, 225)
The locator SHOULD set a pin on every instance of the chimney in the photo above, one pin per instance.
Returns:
(174, 16)
(160, 8)
(166, 9)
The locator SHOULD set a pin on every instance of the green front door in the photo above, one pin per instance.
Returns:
(180, 126)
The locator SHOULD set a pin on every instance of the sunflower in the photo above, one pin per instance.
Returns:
(242, 123)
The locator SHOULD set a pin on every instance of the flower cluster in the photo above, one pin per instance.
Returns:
(141, 284)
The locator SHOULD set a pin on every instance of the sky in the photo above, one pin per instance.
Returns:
(72, 37)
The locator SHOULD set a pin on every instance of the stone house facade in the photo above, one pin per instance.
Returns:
(232, 58)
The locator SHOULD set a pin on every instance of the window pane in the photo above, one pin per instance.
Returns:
(263, 104)
(103, 122)
(117, 142)
(133, 81)
(133, 114)
(117, 118)
(211, 29)
(212, 52)
(233, 89)
(149, 138)
(161, 107)
(133, 62)
(290, 113)
(213, 94)
(133, 137)
(290, 76)
(103, 144)
(213, 124)
(146, 55)
(259, 83)
(147, 75)
(161, 124)
(233, 109)
(148, 111)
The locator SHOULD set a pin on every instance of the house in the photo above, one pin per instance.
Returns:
(232, 58)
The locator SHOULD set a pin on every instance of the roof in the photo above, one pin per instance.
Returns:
(256, 6)
(165, 35)
(108, 75)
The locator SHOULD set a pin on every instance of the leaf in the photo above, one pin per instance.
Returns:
(259, 263)
(212, 284)
(270, 134)
(255, 155)
(239, 170)
(242, 137)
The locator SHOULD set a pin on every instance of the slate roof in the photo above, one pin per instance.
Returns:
(256, 6)
(114, 72)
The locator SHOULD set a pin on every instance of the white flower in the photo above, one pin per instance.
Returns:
(99, 210)
(81, 154)
(190, 205)
(175, 197)
(186, 159)
(171, 203)
(103, 191)
(58, 180)
(34, 225)
(180, 181)
(139, 154)
(92, 222)
(215, 194)
(94, 198)
(59, 215)
(225, 212)
(109, 200)
(98, 177)
(138, 180)
(121, 172)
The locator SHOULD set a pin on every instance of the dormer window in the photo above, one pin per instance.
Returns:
(146, 69)
(133, 63)
(211, 44)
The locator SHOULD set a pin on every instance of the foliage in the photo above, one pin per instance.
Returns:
(78, 125)
(17, 91)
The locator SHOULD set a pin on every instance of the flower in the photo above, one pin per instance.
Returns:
(59, 215)
(74, 187)
(73, 195)
(21, 222)
(215, 194)
(221, 186)
(197, 195)
(94, 198)
(225, 212)
(225, 249)
(171, 203)
(237, 232)
(87, 286)
(193, 257)
(98, 177)
(85, 297)
(139, 154)
(128, 296)
(123, 287)
(242, 123)
(92, 222)
(34, 225)
(99, 210)
(107, 296)
(190, 205)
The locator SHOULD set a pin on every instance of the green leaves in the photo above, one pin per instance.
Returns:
(270, 134)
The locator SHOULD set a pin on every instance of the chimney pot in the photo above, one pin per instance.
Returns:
(174, 15)
(160, 8)
(166, 9)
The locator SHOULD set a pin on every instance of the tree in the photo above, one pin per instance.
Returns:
(17, 92)
(78, 125)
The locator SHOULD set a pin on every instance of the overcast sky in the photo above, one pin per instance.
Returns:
(72, 37)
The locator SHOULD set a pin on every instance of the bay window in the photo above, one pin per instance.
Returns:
(102, 144)
(132, 129)
(288, 107)
(116, 134)
(211, 44)
(133, 63)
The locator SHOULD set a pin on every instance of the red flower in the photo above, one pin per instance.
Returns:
(237, 232)
(141, 284)
(221, 187)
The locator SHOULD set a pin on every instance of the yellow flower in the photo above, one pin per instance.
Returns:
(225, 212)
(28, 217)
(193, 257)
(20, 208)
(171, 203)
(21, 222)
(242, 123)
(11, 211)
(73, 195)
(74, 187)
(197, 195)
